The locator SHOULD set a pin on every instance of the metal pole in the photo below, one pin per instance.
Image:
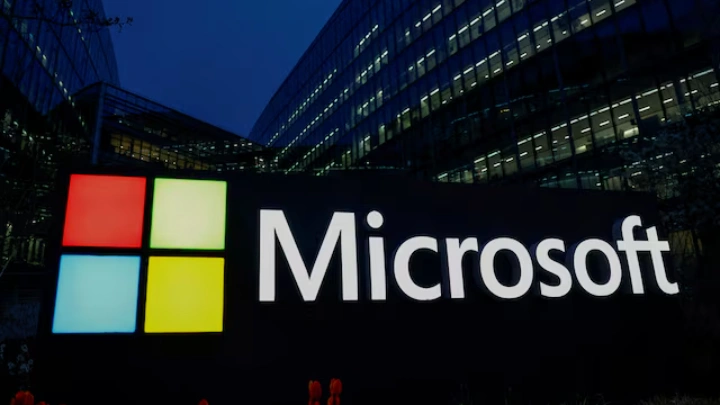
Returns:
(98, 126)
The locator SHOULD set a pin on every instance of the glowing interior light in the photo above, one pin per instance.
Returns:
(104, 211)
(97, 294)
(188, 214)
(184, 295)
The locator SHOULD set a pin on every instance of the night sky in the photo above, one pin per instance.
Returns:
(217, 60)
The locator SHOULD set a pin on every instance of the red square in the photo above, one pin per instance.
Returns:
(104, 211)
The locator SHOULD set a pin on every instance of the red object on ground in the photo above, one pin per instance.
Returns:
(23, 398)
(315, 391)
(335, 391)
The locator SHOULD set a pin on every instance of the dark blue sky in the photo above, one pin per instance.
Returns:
(217, 60)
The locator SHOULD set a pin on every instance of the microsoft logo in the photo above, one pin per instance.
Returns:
(141, 253)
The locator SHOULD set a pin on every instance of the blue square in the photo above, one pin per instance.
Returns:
(97, 294)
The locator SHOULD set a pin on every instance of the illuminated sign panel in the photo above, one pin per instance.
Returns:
(148, 255)
(276, 278)
(97, 294)
(341, 236)
(188, 214)
(99, 290)
(104, 211)
(184, 294)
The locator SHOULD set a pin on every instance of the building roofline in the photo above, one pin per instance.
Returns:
(169, 109)
(334, 16)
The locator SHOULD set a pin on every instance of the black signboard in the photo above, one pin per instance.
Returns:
(395, 346)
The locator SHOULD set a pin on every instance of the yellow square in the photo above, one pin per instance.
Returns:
(184, 295)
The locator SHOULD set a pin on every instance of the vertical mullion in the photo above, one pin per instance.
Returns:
(145, 254)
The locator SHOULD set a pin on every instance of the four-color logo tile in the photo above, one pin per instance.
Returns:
(98, 290)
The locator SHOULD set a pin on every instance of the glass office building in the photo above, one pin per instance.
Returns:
(47, 53)
(482, 91)
(131, 130)
(47, 57)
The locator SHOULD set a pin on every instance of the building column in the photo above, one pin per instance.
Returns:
(97, 135)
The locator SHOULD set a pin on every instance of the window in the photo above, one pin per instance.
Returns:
(405, 115)
(457, 84)
(600, 10)
(582, 134)
(412, 72)
(445, 83)
(401, 36)
(650, 106)
(549, 182)
(602, 126)
(420, 65)
(579, 14)
(416, 24)
(624, 117)
(475, 17)
(425, 105)
(560, 141)
(439, 37)
(437, 13)
(430, 59)
(705, 86)
(452, 44)
(567, 180)
(480, 170)
(510, 48)
(435, 101)
(524, 38)
(469, 76)
(503, 10)
(455, 176)
(542, 149)
(526, 153)
(488, 16)
(669, 100)
(481, 65)
(495, 166)
(622, 4)
(495, 63)
(427, 20)
(467, 176)
(560, 26)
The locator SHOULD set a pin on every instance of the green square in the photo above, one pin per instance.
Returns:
(188, 214)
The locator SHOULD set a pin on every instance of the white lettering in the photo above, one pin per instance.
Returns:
(402, 269)
(378, 287)
(487, 268)
(376, 247)
(581, 271)
(342, 227)
(341, 232)
(542, 254)
(455, 253)
(656, 248)
(631, 247)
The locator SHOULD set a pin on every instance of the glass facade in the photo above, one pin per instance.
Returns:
(480, 91)
(45, 58)
(130, 130)
(49, 59)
